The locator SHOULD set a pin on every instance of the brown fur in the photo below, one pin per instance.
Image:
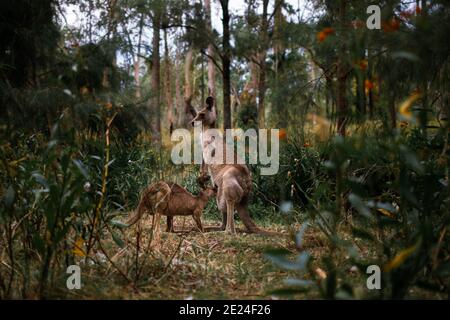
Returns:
(170, 199)
(234, 181)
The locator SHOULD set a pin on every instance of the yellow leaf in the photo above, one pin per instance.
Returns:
(400, 258)
(14, 163)
(320, 273)
(78, 247)
(386, 213)
(406, 105)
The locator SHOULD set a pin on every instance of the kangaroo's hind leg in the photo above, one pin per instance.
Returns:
(230, 218)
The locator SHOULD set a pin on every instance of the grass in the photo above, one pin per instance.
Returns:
(194, 265)
(210, 265)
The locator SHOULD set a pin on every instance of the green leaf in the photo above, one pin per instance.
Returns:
(281, 261)
(118, 240)
(81, 167)
(405, 55)
(357, 203)
(381, 205)
(40, 179)
(298, 282)
(118, 224)
(411, 160)
(110, 162)
(299, 235)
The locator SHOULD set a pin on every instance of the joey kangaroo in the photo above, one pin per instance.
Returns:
(170, 199)
(233, 181)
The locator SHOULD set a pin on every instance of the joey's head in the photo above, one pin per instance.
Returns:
(207, 116)
(209, 192)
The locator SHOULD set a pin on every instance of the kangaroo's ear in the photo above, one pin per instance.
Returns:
(209, 103)
(193, 111)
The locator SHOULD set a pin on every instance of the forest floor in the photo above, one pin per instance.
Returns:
(194, 265)
(211, 265)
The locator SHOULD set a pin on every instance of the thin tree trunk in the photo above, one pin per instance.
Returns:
(188, 75)
(178, 95)
(155, 80)
(342, 78)
(187, 115)
(226, 56)
(252, 86)
(211, 66)
(167, 83)
(262, 67)
(137, 79)
(111, 31)
(262, 93)
(278, 49)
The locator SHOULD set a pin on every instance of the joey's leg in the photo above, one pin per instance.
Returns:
(198, 221)
(169, 227)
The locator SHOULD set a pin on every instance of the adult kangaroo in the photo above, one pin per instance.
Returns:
(233, 181)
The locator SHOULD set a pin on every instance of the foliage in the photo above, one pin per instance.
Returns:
(363, 118)
(393, 204)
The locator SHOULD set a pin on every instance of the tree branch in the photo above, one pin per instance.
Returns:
(202, 51)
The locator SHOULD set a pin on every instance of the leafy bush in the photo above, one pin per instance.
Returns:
(385, 199)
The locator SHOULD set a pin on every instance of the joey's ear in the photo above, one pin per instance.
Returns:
(209, 103)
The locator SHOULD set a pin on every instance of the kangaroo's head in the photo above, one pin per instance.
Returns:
(208, 115)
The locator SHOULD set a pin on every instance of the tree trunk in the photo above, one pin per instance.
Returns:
(262, 67)
(342, 77)
(167, 83)
(137, 79)
(178, 95)
(251, 87)
(262, 93)
(211, 66)
(188, 75)
(226, 56)
(111, 32)
(187, 114)
(155, 80)
(278, 51)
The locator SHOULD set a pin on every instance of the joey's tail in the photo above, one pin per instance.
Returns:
(154, 197)
(140, 210)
